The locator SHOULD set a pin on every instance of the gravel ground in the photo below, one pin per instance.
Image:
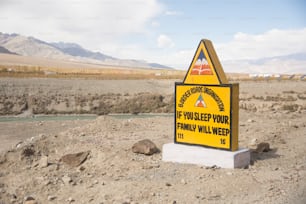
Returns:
(271, 112)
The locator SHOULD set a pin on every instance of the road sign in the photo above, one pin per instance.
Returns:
(207, 115)
(206, 105)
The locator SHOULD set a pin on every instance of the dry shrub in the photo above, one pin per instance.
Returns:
(87, 104)
(258, 97)
(279, 98)
(301, 97)
(289, 92)
(101, 72)
(290, 107)
(143, 103)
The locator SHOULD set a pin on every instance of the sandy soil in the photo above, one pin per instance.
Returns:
(273, 112)
(13, 133)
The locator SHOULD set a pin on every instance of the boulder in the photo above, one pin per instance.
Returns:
(146, 147)
(76, 159)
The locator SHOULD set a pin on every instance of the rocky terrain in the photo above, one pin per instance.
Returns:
(78, 96)
(56, 96)
(94, 162)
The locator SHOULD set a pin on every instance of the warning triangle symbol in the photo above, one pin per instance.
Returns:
(205, 67)
(200, 102)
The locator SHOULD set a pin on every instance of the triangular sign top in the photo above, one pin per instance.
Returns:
(205, 67)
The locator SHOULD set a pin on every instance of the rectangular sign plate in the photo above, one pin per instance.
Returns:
(207, 115)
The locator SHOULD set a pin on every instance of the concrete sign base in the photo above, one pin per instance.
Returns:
(205, 156)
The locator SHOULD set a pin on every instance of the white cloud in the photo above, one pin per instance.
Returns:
(270, 52)
(269, 44)
(90, 23)
(272, 66)
(242, 54)
(163, 41)
(155, 24)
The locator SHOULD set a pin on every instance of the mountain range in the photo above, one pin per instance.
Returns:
(30, 46)
(16, 44)
(6, 51)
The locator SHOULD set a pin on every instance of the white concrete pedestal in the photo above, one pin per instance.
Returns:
(205, 156)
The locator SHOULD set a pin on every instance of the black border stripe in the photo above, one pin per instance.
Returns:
(175, 102)
(231, 116)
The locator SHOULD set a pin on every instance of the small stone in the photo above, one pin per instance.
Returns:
(51, 197)
(127, 201)
(250, 121)
(29, 200)
(2, 190)
(263, 147)
(70, 199)
(83, 134)
(41, 136)
(229, 173)
(146, 147)
(75, 160)
(253, 141)
(13, 197)
(66, 179)
(2, 159)
(18, 145)
(183, 181)
(47, 182)
(107, 197)
(43, 162)
(90, 175)
(214, 167)
(168, 184)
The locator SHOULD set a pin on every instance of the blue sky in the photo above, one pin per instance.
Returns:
(168, 31)
(219, 20)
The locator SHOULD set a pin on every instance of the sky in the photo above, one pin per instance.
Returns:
(168, 31)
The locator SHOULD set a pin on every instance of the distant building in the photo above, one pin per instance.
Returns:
(253, 76)
(267, 76)
(291, 76)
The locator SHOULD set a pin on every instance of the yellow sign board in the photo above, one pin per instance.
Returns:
(207, 115)
(205, 67)
(206, 106)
